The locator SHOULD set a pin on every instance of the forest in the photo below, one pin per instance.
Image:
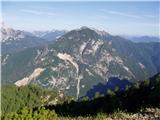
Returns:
(36, 103)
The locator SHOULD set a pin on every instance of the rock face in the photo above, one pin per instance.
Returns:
(27, 80)
(81, 59)
(66, 58)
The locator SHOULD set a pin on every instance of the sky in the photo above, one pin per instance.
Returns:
(118, 18)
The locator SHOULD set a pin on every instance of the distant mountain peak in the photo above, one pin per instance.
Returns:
(49, 34)
(84, 27)
(9, 34)
(99, 32)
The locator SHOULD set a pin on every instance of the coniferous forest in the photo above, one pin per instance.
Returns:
(35, 103)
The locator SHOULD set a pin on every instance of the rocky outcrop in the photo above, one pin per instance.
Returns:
(27, 80)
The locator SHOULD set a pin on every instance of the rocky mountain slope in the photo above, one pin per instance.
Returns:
(80, 59)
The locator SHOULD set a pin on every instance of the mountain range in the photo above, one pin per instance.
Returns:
(78, 60)
(142, 39)
(16, 40)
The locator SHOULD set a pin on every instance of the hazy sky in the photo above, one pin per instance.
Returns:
(129, 18)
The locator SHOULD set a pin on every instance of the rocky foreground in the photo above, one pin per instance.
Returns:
(147, 114)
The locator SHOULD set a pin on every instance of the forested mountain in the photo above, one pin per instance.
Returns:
(81, 59)
(144, 39)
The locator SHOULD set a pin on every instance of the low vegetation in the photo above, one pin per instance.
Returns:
(140, 101)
